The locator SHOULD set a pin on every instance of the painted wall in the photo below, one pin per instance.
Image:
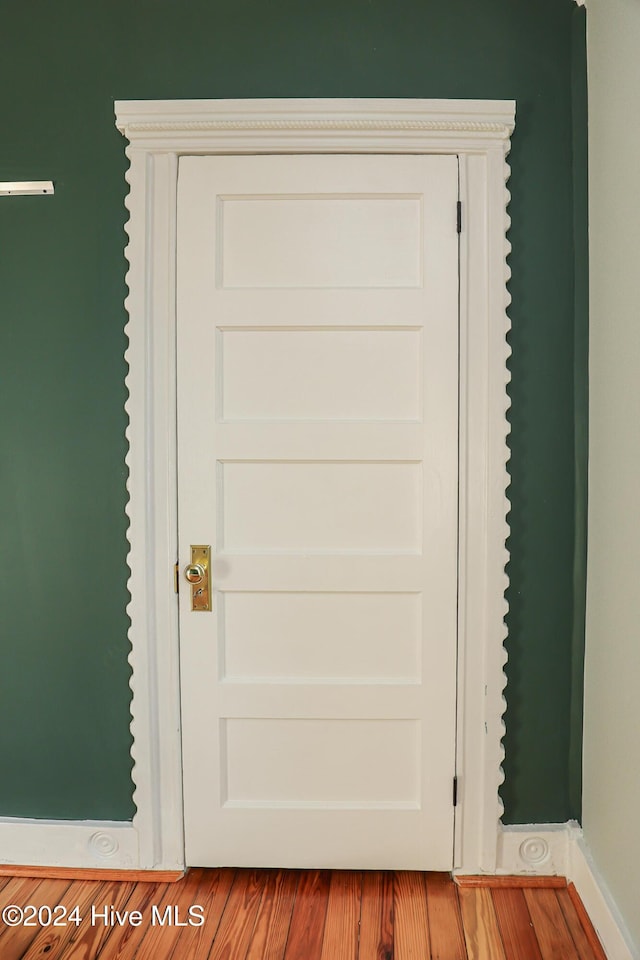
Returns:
(64, 735)
(612, 703)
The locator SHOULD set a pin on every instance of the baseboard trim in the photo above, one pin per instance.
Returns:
(528, 855)
(71, 873)
(85, 844)
(600, 905)
(589, 930)
(546, 850)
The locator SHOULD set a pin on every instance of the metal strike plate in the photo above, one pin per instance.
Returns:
(197, 574)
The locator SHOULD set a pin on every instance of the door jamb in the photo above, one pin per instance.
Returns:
(158, 133)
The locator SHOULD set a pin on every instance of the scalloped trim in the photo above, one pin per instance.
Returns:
(507, 504)
(133, 726)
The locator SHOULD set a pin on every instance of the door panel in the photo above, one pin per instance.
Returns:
(275, 762)
(317, 428)
(283, 374)
(327, 507)
(337, 636)
(319, 241)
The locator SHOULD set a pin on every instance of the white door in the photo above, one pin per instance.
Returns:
(318, 455)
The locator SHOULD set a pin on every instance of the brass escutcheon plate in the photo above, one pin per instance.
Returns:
(201, 592)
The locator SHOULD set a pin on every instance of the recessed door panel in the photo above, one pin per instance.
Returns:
(322, 636)
(320, 373)
(322, 764)
(320, 507)
(316, 241)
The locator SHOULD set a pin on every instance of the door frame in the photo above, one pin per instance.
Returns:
(158, 133)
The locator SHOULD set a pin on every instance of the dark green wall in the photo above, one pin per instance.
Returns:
(64, 718)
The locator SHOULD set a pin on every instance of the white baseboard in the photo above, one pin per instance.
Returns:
(69, 843)
(529, 849)
(600, 905)
(543, 849)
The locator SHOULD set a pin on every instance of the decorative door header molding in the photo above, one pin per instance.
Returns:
(313, 125)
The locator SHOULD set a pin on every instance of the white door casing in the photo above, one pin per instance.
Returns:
(159, 132)
(317, 318)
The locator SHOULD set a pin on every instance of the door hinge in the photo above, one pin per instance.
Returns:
(459, 216)
(175, 577)
(455, 791)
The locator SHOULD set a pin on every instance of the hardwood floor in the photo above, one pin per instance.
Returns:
(292, 915)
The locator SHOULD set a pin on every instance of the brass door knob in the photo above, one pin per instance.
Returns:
(194, 573)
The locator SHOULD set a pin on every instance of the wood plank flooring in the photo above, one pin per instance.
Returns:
(292, 915)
